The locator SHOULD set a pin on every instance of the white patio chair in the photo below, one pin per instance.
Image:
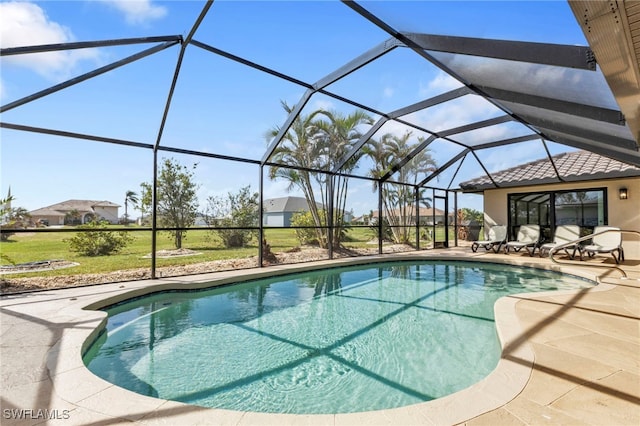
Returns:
(564, 234)
(496, 238)
(609, 242)
(528, 238)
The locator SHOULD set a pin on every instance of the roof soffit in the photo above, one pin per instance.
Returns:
(613, 32)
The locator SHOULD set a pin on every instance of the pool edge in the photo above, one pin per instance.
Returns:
(64, 360)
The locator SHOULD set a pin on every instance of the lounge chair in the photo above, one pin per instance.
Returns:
(609, 242)
(564, 234)
(528, 238)
(496, 238)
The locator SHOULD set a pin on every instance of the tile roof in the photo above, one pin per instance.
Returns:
(80, 205)
(287, 204)
(571, 166)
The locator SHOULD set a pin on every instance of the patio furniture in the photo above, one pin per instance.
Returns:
(528, 238)
(496, 238)
(564, 234)
(607, 242)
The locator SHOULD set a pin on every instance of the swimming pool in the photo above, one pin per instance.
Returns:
(341, 340)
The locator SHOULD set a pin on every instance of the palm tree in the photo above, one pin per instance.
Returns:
(337, 136)
(129, 197)
(398, 198)
(298, 149)
(317, 141)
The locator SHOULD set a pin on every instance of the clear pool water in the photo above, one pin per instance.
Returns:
(331, 341)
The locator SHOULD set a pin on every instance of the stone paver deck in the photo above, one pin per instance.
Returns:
(568, 358)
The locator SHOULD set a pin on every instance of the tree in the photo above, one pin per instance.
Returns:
(398, 198)
(338, 134)
(95, 240)
(5, 220)
(73, 217)
(177, 204)
(129, 197)
(299, 149)
(146, 199)
(239, 211)
(468, 214)
(318, 141)
(13, 218)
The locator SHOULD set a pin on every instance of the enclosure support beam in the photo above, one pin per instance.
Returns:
(485, 170)
(553, 163)
(261, 236)
(608, 150)
(409, 157)
(360, 143)
(295, 112)
(455, 174)
(436, 100)
(456, 224)
(330, 222)
(23, 50)
(380, 217)
(444, 167)
(176, 73)
(526, 138)
(74, 135)
(579, 57)
(606, 115)
(154, 215)
(87, 76)
(417, 201)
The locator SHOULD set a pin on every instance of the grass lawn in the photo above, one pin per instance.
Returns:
(39, 246)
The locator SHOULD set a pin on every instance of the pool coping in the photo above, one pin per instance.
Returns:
(83, 391)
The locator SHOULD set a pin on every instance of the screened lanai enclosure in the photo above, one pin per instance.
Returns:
(204, 120)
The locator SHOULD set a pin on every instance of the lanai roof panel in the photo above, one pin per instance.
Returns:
(572, 166)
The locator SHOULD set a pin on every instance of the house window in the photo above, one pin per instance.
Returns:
(586, 208)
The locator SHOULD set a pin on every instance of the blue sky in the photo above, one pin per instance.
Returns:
(220, 106)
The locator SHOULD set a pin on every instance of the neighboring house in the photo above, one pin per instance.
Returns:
(587, 190)
(278, 211)
(426, 217)
(87, 209)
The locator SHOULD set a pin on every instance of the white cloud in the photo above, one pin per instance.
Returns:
(324, 104)
(388, 92)
(26, 24)
(138, 11)
(512, 155)
(442, 83)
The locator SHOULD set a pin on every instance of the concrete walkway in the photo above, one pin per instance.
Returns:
(568, 358)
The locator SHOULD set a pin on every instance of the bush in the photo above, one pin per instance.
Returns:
(234, 238)
(239, 210)
(306, 235)
(387, 232)
(94, 240)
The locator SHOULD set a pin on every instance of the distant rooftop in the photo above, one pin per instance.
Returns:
(80, 205)
(570, 167)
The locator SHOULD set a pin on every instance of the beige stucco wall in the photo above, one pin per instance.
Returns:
(53, 220)
(108, 213)
(621, 213)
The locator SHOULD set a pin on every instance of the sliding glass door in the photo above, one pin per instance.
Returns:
(586, 208)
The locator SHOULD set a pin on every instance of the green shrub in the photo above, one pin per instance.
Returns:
(93, 239)
(387, 232)
(240, 211)
(306, 235)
